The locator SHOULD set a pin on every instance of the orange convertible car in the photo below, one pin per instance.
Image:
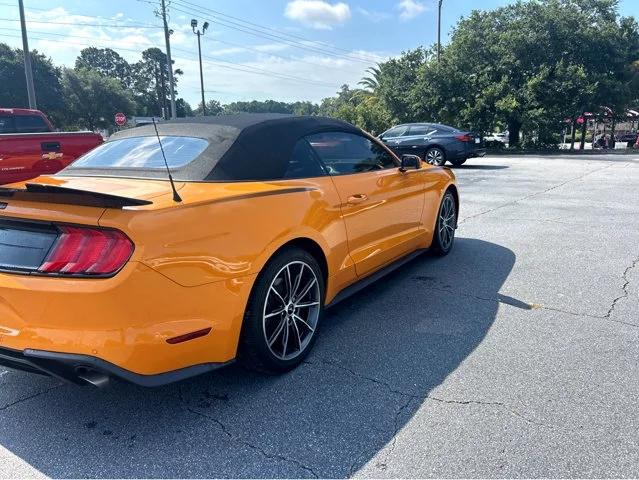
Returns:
(110, 269)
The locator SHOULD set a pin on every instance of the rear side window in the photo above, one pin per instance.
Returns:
(303, 163)
(346, 153)
(7, 125)
(142, 153)
(444, 129)
(396, 132)
(30, 124)
(420, 130)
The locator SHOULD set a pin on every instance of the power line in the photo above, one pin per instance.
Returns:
(84, 15)
(112, 25)
(233, 66)
(261, 52)
(279, 32)
(216, 60)
(273, 37)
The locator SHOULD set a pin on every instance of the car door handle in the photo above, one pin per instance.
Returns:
(358, 198)
(50, 146)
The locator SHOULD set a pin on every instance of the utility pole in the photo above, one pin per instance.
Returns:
(439, 30)
(199, 49)
(28, 72)
(168, 58)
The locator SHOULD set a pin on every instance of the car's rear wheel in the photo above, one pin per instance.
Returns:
(284, 313)
(444, 235)
(458, 162)
(435, 156)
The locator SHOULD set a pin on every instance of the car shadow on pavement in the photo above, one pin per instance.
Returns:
(480, 167)
(378, 358)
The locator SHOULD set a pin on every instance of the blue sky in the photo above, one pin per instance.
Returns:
(254, 49)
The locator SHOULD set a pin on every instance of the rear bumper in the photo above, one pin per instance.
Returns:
(78, 368)
(120, 326)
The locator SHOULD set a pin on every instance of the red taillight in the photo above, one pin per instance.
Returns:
(464, 138)
(87, 251)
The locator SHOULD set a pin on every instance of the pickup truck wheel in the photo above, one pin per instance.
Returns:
(283, 315)
(435, 156)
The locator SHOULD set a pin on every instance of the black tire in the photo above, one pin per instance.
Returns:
(435, 156)
(254, 351)
(458, 162)
(443, 244)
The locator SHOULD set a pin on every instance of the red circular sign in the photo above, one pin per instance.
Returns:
(120, 119)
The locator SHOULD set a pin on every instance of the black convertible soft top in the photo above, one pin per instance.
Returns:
(241, 147)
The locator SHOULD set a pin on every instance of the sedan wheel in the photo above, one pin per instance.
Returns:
(284, 312)
(435, 156)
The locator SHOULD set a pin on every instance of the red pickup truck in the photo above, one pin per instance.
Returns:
(29, 147)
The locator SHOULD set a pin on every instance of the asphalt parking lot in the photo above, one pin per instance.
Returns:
(515, 356)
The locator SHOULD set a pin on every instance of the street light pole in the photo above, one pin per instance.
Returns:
(168, 59)
(439, 30)
(199, 49)
(28, 72)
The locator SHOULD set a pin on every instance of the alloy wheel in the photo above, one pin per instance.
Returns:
(447, 221)
(435, 156)
(291, 310)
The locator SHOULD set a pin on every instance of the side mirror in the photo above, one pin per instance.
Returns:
(410, 162)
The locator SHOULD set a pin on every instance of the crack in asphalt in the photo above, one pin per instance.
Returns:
(24, 399)
(536, 306)
(252, 446)
(514, 202)
(625, 289)
(409, 398)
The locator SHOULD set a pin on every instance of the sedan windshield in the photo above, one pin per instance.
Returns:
(142, 153)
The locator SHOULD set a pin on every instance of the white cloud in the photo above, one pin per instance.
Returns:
(316, 75)
(318, 13)
(409, 9)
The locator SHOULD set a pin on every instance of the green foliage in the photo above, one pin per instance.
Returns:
(46, 79)
(213, 107)
(92, 99)
(107, 62)
(529, 65)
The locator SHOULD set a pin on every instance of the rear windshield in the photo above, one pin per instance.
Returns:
(30, 124)
(142, 153)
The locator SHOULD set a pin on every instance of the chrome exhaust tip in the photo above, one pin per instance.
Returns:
(97, 379)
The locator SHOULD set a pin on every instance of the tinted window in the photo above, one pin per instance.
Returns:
(303, 162)
(396, 132)
(7, 125)
(345, 153)
(444, 129)
(30, 124)
(420, 130)
(142, 153)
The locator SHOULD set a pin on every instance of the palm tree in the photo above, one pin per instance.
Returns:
(371, 83)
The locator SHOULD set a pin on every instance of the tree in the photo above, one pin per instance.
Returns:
(107, 62)
(371, 83)
(530, 65)
(183, 108)
(151, 85)
(93, 99)
(213, 107)
(358, 107)
(46, 79)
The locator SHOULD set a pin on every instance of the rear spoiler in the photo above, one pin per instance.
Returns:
(35, 192)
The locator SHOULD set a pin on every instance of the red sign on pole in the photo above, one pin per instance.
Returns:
(120, 119)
